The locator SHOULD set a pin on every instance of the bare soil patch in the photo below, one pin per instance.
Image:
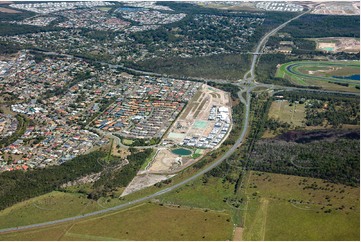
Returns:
(8, 10)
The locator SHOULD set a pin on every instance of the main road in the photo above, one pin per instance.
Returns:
(261, 45)
(246, 101)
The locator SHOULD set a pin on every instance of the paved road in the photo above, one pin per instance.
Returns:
(247, 89)
(260, 47)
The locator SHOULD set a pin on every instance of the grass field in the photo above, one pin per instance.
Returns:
(127, 141)
(294, 115)
(51, 206)
(200, 195)
(281, 110)
(321, 73)
(143, 222)
(282, 207)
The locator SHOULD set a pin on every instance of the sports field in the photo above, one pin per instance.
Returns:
(283, 207)
(332, 75)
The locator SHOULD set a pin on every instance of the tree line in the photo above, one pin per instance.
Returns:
(17, 186)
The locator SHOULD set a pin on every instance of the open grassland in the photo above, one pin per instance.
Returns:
(143, 222)
(283, 207)
(322, 74)
(294, 115)
(127, 141)
(198, 194)
(281, 111)
(51, 206)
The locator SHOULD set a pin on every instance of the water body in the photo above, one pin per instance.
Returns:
(352, 77)
(181, 151)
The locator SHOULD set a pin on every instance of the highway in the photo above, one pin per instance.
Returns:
(261, 45)
(245, 89)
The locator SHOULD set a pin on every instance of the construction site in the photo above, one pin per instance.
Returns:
(334, 44)
(201, 127)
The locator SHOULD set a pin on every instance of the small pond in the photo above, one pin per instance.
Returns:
(181, 151)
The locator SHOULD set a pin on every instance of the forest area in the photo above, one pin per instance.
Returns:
(317, 26)
(317, 154)
(331, 154)
(17, 186)
(225, 66)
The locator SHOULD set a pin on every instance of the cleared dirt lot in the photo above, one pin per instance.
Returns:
(194, 119)
(338, 8)
(165, 160)
(8, 10)
(333, 44)
(142, 181)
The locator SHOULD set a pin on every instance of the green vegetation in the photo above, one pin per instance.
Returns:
(207, 192)
(127, 141)
(149, 159)
(225, 66)
(139, 142)
(17, 16)
(267, 70)
(48, 207)
(317, 26)
(195, 156)
(9, 48)
(142, 222)
(17, 186)
(293, 96)
(116, 177)
(15, 29)
(20, 130)
(300, 46)
(319, 73)
(334, 112)
(283, 207)
(327, 109)
(193, 28)
(312, 154)
(286, 112)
